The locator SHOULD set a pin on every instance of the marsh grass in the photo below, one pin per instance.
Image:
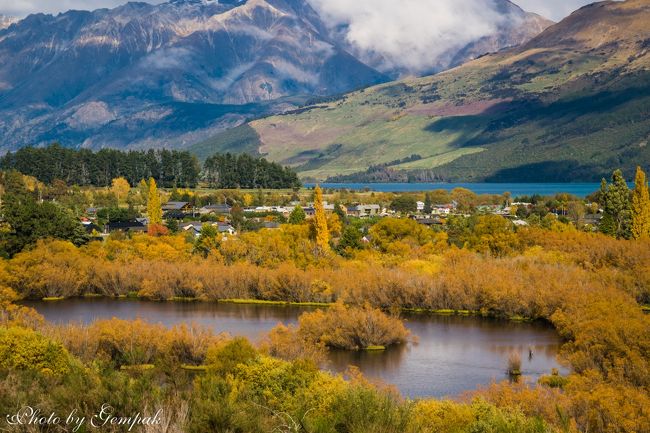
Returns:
(514, 364)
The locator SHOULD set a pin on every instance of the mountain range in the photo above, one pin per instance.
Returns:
(571, 104)
(177, 73)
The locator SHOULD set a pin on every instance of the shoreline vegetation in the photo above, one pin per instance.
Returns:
(436, 312)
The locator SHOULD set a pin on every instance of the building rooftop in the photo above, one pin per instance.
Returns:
(175, 205)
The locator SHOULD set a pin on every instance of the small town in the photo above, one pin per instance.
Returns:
(229, 219)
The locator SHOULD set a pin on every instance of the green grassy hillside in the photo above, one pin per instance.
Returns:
(572, 104)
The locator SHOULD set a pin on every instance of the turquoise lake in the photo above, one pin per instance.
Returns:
(516, 189)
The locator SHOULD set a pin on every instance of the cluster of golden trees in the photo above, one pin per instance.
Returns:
(338, 327)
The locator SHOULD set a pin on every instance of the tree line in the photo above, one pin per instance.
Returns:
(227, 171)
(83, 167)
(169, 168)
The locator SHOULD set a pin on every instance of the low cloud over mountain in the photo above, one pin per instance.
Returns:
(423, 36)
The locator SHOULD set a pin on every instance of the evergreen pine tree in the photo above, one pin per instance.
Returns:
(154, 210)
(297, 215)
(320, 221)
(616, 206)
(350, 239)
(640, 206)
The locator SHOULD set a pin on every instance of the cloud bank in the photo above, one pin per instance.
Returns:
(410, 35)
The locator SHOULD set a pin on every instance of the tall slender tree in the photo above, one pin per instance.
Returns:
(428, 205)
(320, 221)
(616, 206)
(154, 210)
(640, 206)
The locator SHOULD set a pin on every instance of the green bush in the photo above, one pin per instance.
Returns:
(24, 349)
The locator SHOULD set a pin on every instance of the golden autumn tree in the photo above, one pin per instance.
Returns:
(248, 199)
(320, 221)
(640, 206)
(154, 209)
(120, 187)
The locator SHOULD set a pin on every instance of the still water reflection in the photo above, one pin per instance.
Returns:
(452, 355)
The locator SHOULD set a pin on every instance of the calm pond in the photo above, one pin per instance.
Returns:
(453, 354)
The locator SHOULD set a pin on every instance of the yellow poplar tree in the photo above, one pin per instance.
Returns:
(154, 210)
(120, 188)
(320, 221)
(640, 206)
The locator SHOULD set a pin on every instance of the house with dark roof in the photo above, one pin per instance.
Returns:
(310, 212)
(271, 225)
(126, 227)
(429, 221)
(226, 228)
(177, 206)
(195, 227)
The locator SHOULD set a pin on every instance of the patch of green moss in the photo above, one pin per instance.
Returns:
(138, 367)
(182, 299)
(280, 303)
(375, 348)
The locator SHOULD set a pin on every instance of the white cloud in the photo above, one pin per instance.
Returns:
(410, 34)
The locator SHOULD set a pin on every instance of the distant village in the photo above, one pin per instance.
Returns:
(191, 219)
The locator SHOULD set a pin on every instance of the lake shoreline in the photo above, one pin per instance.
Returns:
(262, 302)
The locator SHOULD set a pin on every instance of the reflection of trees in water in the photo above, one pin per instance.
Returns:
(284, 314)
(545, 350)
(372, 363)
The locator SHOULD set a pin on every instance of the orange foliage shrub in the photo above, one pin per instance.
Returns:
(136, 342)
(350, 328)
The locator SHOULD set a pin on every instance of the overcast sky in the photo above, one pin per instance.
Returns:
(554, 9)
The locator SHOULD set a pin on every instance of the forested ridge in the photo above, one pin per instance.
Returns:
(169, 168)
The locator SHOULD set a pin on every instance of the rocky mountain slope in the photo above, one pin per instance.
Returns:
(144, 75)
(571, 104)
(155, 74)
